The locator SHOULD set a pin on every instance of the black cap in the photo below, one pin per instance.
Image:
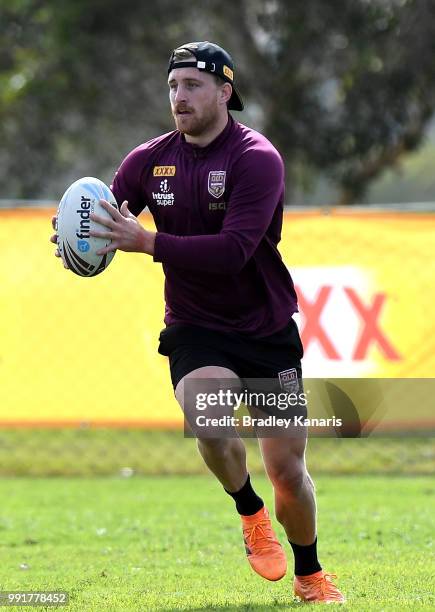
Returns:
(211, 58)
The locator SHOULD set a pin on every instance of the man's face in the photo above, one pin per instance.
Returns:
(194, 97)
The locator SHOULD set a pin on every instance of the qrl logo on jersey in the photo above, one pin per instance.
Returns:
(216, 183)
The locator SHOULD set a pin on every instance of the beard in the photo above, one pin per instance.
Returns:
(193, 124)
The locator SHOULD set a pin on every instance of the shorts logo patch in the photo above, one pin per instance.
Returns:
(216, 183)
(288, 380)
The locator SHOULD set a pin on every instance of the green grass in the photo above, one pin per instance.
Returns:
(174, 543)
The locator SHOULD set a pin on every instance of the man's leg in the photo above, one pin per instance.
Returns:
(226, 458)
(295, 504)
(295, 507)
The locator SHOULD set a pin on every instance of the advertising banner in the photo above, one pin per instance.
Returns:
(84, 350)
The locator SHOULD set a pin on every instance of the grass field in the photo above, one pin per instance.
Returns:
(174, 543)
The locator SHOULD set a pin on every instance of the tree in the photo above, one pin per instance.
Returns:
(353, 84)
(81, 81)
(344, 89)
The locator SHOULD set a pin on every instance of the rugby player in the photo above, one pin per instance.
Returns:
(215, 189)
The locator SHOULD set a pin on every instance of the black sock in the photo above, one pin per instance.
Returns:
(306, 561)
(247, 501)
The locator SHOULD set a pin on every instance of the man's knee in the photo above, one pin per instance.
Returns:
(202, 397)
(290, 479)
(203, 381)
(221, 448)
(213, 445)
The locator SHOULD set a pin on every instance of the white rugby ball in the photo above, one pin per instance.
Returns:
(77, 248)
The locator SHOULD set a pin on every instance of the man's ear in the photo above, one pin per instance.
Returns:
(226, 91)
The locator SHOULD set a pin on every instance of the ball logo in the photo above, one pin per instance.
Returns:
(83, 246)
(84, 212)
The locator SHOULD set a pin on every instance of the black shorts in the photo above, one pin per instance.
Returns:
(190, 347)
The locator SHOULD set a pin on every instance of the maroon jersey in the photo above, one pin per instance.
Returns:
(218, 212)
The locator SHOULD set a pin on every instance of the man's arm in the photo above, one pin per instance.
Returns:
(256, 193)
(251, 207)
(123, 229)
(127, 181)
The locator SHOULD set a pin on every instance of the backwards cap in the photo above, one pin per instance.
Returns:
(210, 58)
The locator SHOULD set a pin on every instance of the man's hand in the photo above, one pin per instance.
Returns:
(124, 230)
(54, 239)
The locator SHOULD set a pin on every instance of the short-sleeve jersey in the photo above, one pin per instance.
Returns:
(218, 211)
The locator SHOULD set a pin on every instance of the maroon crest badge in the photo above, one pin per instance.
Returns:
(216, 183)
(288, 380)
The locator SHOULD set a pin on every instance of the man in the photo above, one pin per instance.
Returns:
(216, 189)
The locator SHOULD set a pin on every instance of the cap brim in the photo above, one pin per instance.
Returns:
(235, 102)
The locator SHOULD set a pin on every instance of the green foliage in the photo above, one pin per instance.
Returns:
(414, 175)
(343, 88)
(354, 85)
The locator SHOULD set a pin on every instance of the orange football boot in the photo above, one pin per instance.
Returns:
(318, 587)
(265, 553)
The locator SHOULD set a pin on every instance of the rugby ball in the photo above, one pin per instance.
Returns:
(77, 248)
